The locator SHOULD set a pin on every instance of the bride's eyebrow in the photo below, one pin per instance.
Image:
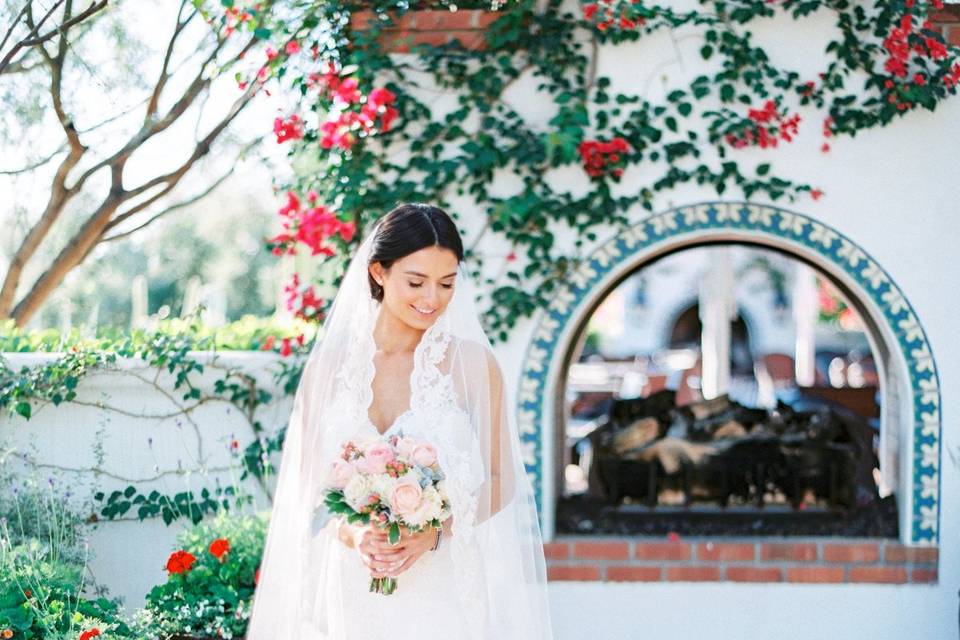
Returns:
(423, 275)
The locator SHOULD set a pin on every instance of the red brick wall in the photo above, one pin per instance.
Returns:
(434, 27)
(467, 25)
(948, 22)
(820, 560)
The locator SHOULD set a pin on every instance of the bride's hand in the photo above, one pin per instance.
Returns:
(409, 549)
(375, 551)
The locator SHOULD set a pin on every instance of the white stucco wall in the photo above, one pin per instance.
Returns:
(893, 191)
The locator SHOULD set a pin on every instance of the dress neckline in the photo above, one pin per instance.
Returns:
(392, 424)
(426, 354)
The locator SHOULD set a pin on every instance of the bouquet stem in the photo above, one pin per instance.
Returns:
(386, 586)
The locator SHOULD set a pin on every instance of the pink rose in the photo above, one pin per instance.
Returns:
(424, 454)
(405, 447)
(405, 498)
(376, 456)
(341, 473)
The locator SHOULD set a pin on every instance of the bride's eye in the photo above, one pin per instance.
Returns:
(416, 285)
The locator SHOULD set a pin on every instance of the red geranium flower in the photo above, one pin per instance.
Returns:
(219, 547)
(180, 562)
(86, 635)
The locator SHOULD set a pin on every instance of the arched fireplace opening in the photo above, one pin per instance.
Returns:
(726, 388)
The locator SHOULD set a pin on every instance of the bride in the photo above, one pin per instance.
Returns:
(403, 352)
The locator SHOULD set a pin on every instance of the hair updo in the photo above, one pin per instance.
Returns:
(406, 229)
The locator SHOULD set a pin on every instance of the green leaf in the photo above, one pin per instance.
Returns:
(394, 533)
(671, 123)
(706, 51)
(684, 108)
(763, 169)
(23, 408)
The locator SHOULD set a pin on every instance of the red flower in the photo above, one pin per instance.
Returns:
(292, 47)
(919, 80)
(768, 113)
(589, 10)
(600, 157)
(285, 348)
(180, 562)
(936, 48)
(91, 633)
(291, 129)
(256, 576)
(816, 194)
(219, 547)
(304, 302)
(268, 343)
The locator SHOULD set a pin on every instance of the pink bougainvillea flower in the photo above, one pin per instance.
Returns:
(289, 129)
(180, 562)
(303, 301)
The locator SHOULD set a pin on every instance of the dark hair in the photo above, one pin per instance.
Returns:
(406, 229)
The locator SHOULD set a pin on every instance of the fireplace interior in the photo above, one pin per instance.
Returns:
(806, 466)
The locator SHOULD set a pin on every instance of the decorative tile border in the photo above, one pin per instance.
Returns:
(805, 237)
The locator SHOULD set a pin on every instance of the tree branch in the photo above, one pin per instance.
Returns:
(34, 38)
(152, 105)
(35, 165)
(180, 205)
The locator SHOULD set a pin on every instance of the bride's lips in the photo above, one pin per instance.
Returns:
(421, 313)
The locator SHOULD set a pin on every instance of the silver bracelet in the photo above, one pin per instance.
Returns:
(436, 545)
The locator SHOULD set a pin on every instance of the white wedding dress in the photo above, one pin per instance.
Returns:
(426, 592)
(488, 579)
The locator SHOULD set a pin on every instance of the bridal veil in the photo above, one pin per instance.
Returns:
(496, 545)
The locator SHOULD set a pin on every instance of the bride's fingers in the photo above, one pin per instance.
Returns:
(403, 566)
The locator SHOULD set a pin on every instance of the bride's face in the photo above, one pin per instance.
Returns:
(418, 287)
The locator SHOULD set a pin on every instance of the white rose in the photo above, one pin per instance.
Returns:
(356, 491)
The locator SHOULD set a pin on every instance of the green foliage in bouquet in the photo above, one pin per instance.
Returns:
(211, 578)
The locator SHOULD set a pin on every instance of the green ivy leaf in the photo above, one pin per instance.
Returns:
(23, 408)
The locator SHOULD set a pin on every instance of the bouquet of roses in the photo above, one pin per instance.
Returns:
(391, 482)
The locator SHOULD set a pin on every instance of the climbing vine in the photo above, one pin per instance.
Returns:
(183, 351)
(363, 139)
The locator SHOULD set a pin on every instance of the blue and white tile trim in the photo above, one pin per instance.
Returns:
(784, 229)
